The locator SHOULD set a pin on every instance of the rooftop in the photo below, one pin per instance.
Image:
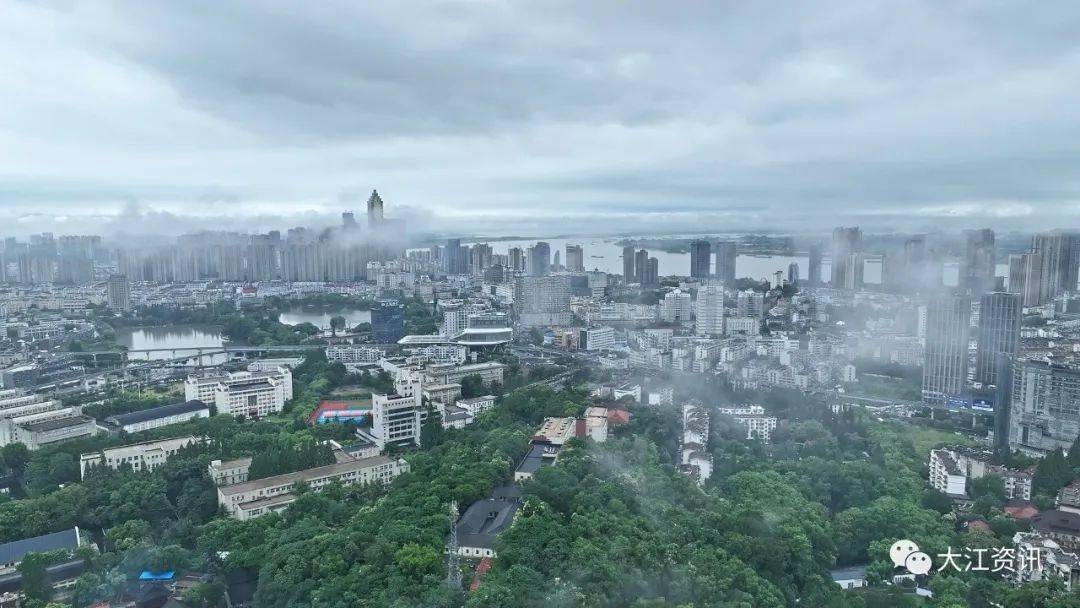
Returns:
(59, 423)
(14, 551)
(154, 413)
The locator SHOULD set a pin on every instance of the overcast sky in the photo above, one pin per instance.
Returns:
(539, 117)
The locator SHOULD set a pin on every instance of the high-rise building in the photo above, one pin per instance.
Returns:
(853, 275)
(628, 269)
(700, 252)
(709, 309)
(1025, 276)
(1000, 315)
(575, 258)
(676, 307)
(1060, 253)
(977, 265)
(813, 276)
(543, 300)
(454, 257)
(374, 209)
(726, 254)
(539, 259)
(1044, 407)
(119, 292)
(516, 259)
(946, 354)
(652, 273)
(480, 257)
(641, 265)
(793, 274)
(348, 220)
(845, 242)
(387, 322)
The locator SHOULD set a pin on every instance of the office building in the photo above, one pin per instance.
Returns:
(387, 322)
(814, 271)
(1000, 315)
(204, 388)
(846, 243)
(726, 254)
(575, 258)
(398, 417)
(641, 266)
(516, 259)
(273, 494)
(700, 254)
(977, 265)
(119, 293)
(255, 397)
(628, 264)
(601, 337)
(946, 354)
(1044, 407)
(145, 456)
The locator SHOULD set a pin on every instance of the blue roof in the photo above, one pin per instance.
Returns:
(156, 576)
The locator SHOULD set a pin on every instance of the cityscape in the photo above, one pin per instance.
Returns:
(498, 305)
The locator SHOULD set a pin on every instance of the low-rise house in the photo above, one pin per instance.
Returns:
(485, 519)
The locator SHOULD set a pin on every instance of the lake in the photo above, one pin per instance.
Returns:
(180, 338)
(320, 316)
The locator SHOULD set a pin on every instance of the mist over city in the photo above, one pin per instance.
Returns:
(492, 304)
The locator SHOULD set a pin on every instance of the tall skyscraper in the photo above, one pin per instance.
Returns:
(1025, 276)
(1000, 315)
(540, 259)
(641, 266)
(946, 354)
(516, 257)
(726, 254)
(1060, 253)
(977, 265)
(119, 293)
(628, 270)
(813, 276)
(853, 275)
(652, 273)
(453, 257)
(845, 242)
(793, 274)
(374, 209)
(699, 259)
(575, 258)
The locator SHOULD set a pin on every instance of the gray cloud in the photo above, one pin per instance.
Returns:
(514, 117)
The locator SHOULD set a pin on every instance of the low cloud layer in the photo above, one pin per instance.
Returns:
(500, 117)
